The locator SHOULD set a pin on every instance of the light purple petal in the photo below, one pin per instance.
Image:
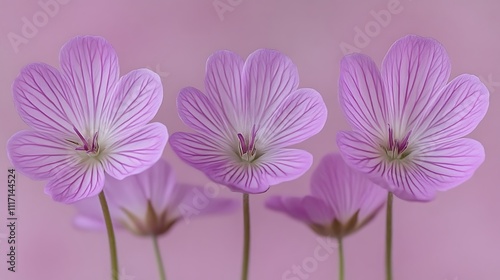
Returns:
(346, 190)
(201, 151)
(40, 96)
(458, 110)
(224, 86)
(272, 168)
(198, 112)
(291, 206)
(302, 115)
(414, 71)
(269, 78)
(446, 165)
(134, 153)
(40, 155)
(90, 66)
(362, 97)
(202, 199)
(76, 182)
(361, 154)
(136, 100)
(89, 215)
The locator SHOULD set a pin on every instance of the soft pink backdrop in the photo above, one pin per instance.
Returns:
(455, 237)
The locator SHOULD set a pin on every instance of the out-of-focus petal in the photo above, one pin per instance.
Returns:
(136, 100)
(40, 96)
(90, 66)
(457, 111)
(346, 190)
(89, 215)
(302, 115)
(414, 71)
(269, 78)
(361, 95)
(40, 155)
(73, 183)
(134, 153)
(202, 199)
(224, 86)
(291, 206)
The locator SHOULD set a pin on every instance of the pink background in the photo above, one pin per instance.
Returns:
(455, 237)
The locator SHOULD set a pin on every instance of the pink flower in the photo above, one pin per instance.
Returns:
(342, 200)
(251, 112)
(408, 120)
(149, 203)
(86, 121)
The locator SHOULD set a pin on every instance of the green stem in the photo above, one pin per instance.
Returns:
(246, 244)
(111, 237)
(159, 259)
(341, 259)
(388, 238)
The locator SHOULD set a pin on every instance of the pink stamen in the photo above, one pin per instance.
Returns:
(391, 138)
(84, 141)
(242, 143)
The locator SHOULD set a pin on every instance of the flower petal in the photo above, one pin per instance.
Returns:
(457, 111)
(272, 168)
(90, 66)
(225, 167)
(346, 190)
(302, 115)
(199, 113)
(360, 152)
(291, 206)
(136, 100)
(200, 151)
(134, 153)
(362, 155)
(447, 165)
(40, 96)
(361, 95)
(414, 71)
(76, 182)
(224, 87)
(40, 155)
(89, 215)
(269, 78)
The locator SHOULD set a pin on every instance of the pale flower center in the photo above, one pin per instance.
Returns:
(246, 147)
(90, 146)
(397, 149)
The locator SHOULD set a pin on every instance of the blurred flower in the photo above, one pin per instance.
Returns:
(342, 200)
(147, 204)
(86, 120)
(251, 112)
(408, 121)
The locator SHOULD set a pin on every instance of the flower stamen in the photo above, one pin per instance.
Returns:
(90, 147)
(397, 149)
(247, 150)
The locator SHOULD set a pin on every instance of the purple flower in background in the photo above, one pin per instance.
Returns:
(342, 199)
(149, 203)
(251, 112)
(408, 120)
(86, 121)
